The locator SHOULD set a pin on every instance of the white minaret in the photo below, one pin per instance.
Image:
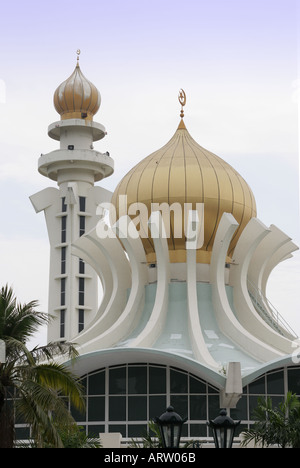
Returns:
(70, 210)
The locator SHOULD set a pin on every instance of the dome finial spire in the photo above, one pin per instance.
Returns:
(78, 53)
(182, 101)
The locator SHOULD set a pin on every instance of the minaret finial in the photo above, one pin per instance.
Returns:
(182, 100)
(78, 53)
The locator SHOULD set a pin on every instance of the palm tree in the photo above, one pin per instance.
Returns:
(275, 426)
(31, 382)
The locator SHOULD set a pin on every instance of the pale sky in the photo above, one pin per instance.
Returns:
(237, 62)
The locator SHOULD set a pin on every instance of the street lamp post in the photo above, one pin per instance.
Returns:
(223, 430)
(170, 426)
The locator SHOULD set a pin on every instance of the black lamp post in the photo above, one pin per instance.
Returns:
(170, 425)
(223, 429)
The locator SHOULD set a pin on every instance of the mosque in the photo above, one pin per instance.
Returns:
(183, 262)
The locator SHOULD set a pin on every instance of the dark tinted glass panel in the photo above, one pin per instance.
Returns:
(118, 428)
(198, 407)
(137, 379)
(80, 320)
(294, 380)
(179, 382)
(63, 205)
(137, 408)
(62, 323)
(117, 408)
(213, 406)
(196, 386)
(157, 380)
(212, 389)
(157, 405)
(275, 383)
(22, 433)
(117, 381)
(180, 404)
(63, 229)
(81, 266)
(81, 225)
(258, 387)
(137, 430)
(253, 402)
(94, 431)
(96, 408)
(276, 400)
(82, 203)
(97, 384)
(198, 430)
(240, 412)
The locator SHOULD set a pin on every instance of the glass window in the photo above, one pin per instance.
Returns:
(81, 291)
(178, 382)
(198, 430)
(117, 408)
(253, 402)
(137, 430)
(82, 203)
(294, 380)
(81, 267)
(198, 407)
(276, 400)
(63, 260)
(117, 381)
(240, 412)
(212, 389)
(80, 320)
(97, 383)
(63, 205)
(180, 405)
(62, 323)
(137, 379)
(64, 229)
(258, 387)
(94, 431)
(157, 379)
(81, 225)
(118, 428)
(63, 291)
(96, 408)
(197, 386)
(275, 383)
(137, 408)
(22, 433)
(157, 405)
(213, 406)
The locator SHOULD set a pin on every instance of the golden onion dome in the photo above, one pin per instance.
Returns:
(183, 171)
(77, 97)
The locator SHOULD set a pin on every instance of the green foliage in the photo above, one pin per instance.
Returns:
(74, 436)
(275, 426)
(32, 384)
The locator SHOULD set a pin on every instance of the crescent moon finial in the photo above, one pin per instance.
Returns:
(182, 101)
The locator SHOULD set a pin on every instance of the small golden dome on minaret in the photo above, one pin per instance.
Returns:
(77, 97)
